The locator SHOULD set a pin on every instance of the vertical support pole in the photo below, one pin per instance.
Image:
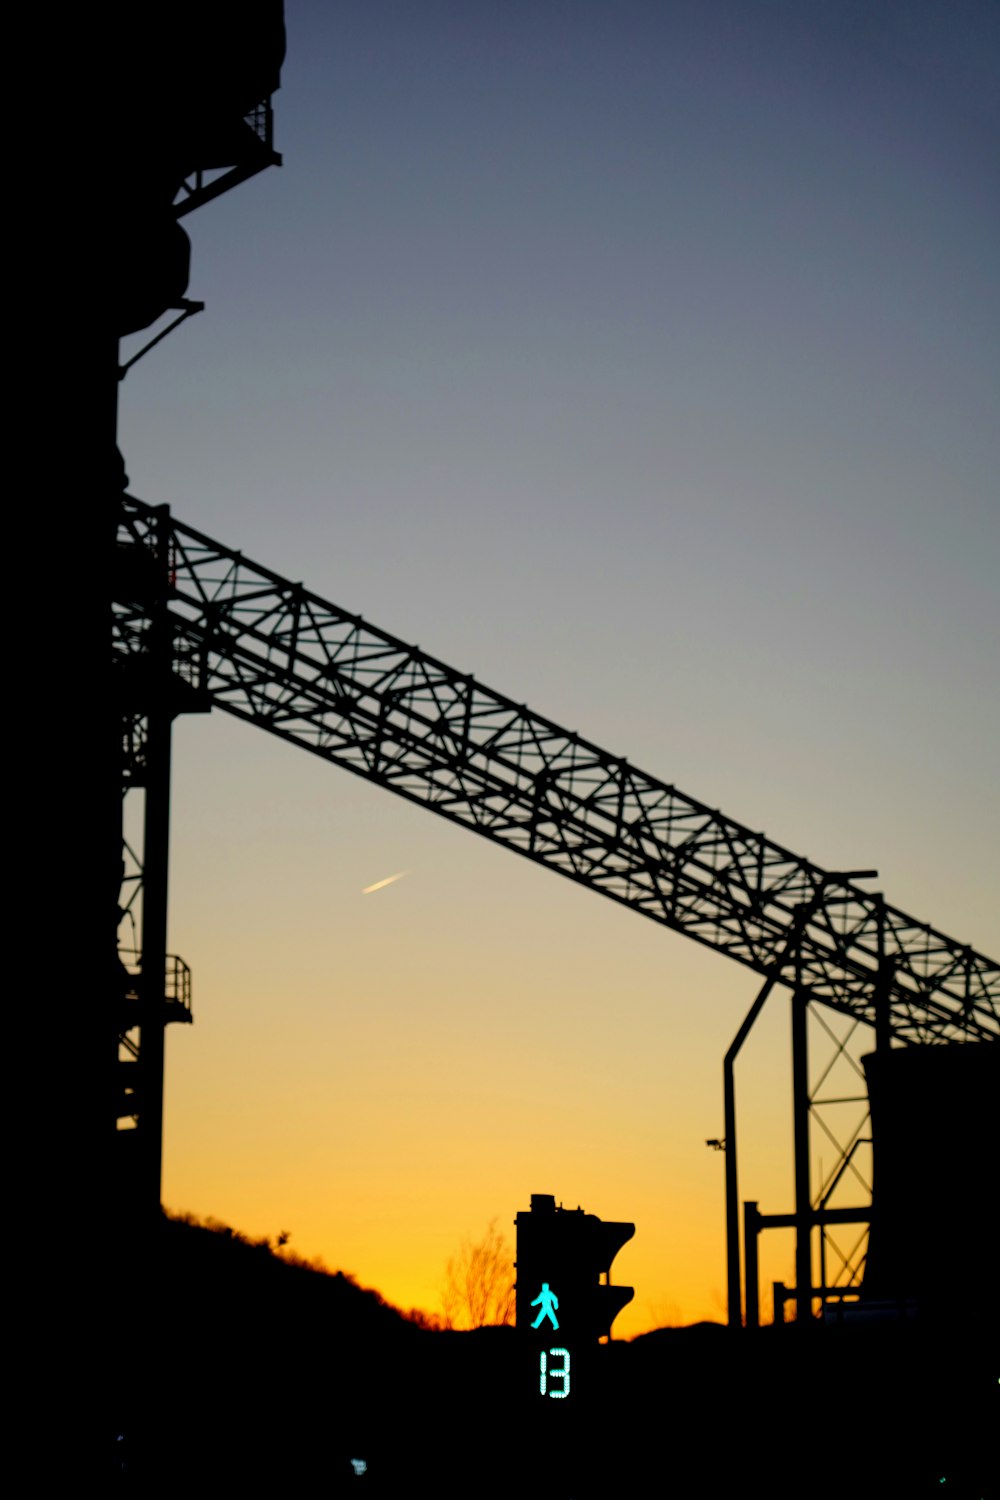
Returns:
(883, 984)
(778, 1302)
(883, 1040)
(800, 1119)
(734, 1298)
(799, 918)
(155, 857)
(109, 1206)
(751, 1229)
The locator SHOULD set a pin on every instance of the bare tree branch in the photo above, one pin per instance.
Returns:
(479, 1283)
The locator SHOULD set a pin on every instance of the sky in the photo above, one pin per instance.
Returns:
(641, 359)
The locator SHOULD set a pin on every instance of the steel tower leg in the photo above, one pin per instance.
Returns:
(800, 1117)
(751, 1229)
(154, 960)
(111, 1206)
(156, 851)
(734, 1296)
(802, 914)
(883, 986)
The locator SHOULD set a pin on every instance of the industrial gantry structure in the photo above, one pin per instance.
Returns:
(198, 626)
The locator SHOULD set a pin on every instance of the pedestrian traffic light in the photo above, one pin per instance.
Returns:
(565, 1300)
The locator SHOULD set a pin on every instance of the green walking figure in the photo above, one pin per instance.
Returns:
(549, 1302)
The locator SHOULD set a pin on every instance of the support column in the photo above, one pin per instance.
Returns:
(751, 1229)
(800, 1119)
(734, 1298)
(883, 985)
(155, 862)
(778, 1303)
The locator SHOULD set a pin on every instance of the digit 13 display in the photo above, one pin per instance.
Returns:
(556, 1372)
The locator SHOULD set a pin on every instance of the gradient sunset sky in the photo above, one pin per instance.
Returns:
(642, 359)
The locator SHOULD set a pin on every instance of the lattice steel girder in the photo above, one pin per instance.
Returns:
(270, 652)
(245, 147)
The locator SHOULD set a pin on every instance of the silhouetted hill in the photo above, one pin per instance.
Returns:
(220, 1274)
(252, 1370)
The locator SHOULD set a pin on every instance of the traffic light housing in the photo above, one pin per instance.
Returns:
(565, 1301)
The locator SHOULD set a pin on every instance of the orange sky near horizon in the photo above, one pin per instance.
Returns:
(384, 1074)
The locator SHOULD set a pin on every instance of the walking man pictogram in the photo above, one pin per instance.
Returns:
(549, 1302)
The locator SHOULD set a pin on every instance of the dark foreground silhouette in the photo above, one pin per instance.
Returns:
(265, 1376)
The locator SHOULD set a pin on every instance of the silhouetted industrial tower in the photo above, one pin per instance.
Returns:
(194, 119)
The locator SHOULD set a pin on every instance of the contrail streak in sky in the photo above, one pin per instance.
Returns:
(380, 883)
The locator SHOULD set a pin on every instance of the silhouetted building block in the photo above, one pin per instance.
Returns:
(934, 1134)
(190, 107)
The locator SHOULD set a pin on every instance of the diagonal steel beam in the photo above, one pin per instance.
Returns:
(270, 652)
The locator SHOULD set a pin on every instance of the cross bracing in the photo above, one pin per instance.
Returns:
(271, 652)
